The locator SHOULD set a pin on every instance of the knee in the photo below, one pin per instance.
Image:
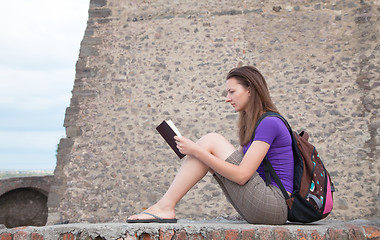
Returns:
(208, 139)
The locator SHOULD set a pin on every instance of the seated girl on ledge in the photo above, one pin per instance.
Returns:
(239, 172)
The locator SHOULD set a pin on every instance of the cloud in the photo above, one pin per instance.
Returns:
(28, 150)
(33, 90)
(27, 161)
(31, 141)
(42, 120)
(41, 34)
(39, 47)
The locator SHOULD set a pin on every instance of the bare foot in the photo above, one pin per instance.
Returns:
(155, 210)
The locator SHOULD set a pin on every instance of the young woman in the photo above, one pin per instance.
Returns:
(239, 172)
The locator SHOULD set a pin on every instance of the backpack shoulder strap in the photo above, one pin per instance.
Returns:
(270, 170)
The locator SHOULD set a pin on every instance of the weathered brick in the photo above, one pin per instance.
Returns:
(247, 234)
(166, 234)
(264, 233)
(68, 236)
(337, 234)
(372, 232)
(355, 233)
(5, 236)
(216, 235)
(281, 233)
(36, 236)
(196, 236)
(231, 234)
(181, 235)
(301, 235)
(315, 235)
(146, 236)
(21, 235)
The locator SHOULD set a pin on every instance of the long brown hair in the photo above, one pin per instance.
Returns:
(260, 102)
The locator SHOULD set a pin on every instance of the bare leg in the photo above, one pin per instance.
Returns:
(191, 171)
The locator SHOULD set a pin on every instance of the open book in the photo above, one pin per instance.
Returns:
(168, 130)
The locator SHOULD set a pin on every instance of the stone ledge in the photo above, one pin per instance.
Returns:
(184, 229)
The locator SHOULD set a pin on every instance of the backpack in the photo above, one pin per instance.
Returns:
(312, 198)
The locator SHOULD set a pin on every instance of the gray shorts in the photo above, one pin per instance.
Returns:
(254, 201)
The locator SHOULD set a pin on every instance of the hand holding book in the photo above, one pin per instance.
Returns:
(186, 146)
(168, 130)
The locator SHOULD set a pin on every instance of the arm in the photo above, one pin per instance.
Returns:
(239, 174)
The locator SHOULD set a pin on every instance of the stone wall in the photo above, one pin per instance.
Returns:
(143, 62)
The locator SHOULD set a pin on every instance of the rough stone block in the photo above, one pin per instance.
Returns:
(315, 235)
(264, 233)
(68, 236)
(281, 233)
(98, 3)
(87, 51)
(372, 232)
(301, 235)
(166, 234)
(146, 236)
(195, 236)
(37, 236)
(216, 235)
(100, 13)
(337, 234)
(247, 234)
(5, 236)
(355, 232)
(73, 132)
(231, 234)
(181, 235)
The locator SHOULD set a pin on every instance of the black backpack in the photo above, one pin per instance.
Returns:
(312, 197)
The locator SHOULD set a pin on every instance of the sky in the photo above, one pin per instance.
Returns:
(39, 46)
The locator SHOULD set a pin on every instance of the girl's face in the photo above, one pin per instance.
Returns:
(237, 95)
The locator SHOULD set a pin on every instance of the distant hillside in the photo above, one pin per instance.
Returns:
(7, 174)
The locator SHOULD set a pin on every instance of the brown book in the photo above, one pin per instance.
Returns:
(168, 130)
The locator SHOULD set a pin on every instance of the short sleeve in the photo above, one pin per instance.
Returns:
(267, 130)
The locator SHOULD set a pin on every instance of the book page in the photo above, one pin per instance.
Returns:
(172, 126)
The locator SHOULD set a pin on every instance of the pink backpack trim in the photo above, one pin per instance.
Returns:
(329, 199)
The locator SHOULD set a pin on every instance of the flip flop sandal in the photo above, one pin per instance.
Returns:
(156, 219)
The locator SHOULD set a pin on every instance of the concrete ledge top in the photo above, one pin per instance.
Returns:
(208, 229)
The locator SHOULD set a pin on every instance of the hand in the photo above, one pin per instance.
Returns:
(185, 145)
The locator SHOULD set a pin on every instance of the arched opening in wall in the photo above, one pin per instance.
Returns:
(23, 207)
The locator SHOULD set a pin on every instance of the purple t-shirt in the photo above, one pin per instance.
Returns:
(280, 154)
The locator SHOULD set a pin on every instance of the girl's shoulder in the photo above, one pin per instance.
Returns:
(271, 121)
(272, 124)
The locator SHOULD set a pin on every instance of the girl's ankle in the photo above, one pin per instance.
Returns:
(165, 207)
